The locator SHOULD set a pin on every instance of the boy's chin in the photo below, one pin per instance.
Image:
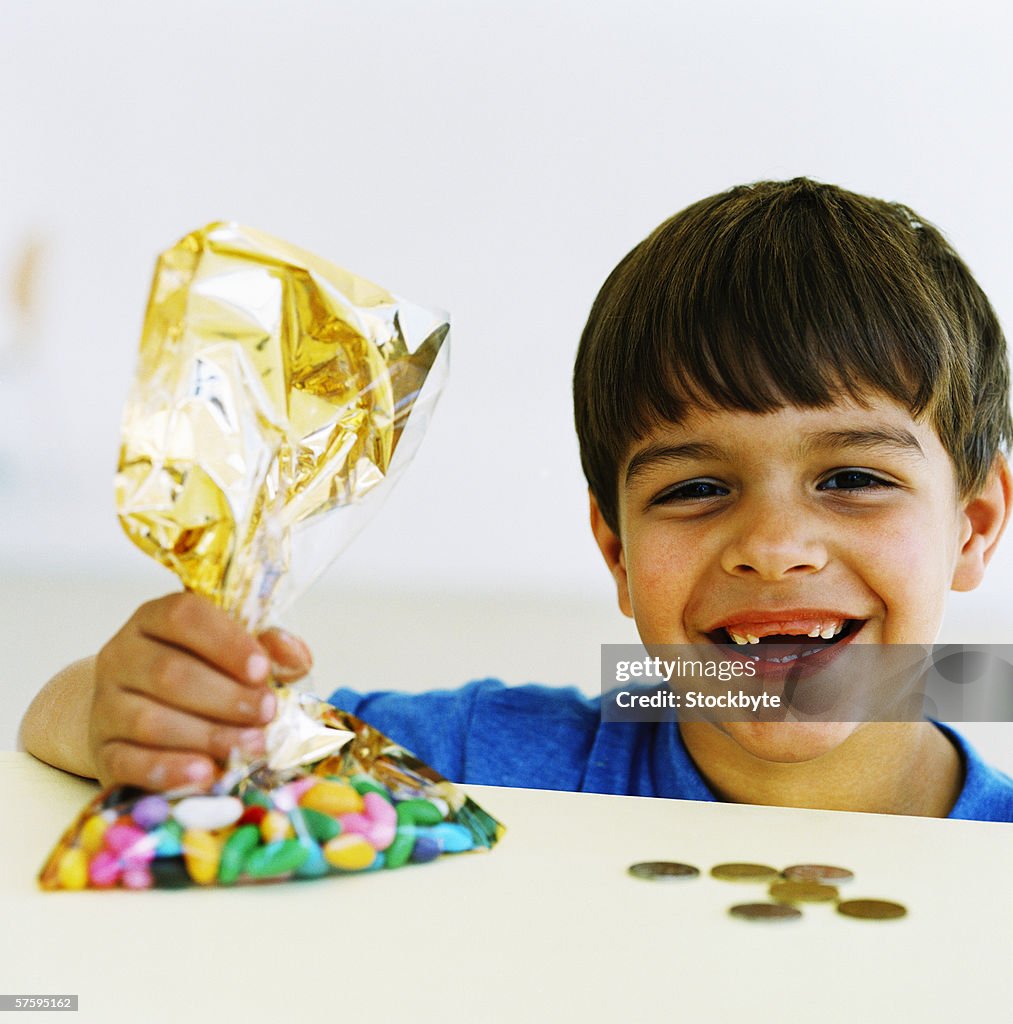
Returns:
(789, 742)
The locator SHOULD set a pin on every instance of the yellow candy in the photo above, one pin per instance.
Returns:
(349, 852)
(275, 826)
(73, 870)
(92, 832)
(332, 798)
(201, 853)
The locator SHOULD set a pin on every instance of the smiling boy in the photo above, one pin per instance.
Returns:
(792, 403)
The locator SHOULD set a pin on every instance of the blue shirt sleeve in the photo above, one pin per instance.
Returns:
(987, 793)
(433, 726)
(488, 734)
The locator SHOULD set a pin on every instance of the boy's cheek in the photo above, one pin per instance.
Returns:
(659, 601)
(909, 583)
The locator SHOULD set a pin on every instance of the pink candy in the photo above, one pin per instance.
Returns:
(104, 869)
(378, 825)
(128, 841)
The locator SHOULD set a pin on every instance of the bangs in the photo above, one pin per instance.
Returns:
(751, 322)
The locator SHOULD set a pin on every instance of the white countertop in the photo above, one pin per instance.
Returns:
(546, 927)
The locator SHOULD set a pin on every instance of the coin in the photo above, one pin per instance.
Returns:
(663, 870)
(802, 892)
(765, 912)
(877, 910)
(743, 872)
(817, 873)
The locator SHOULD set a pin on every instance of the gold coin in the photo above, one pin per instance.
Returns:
(817, 873)
(765, 912)
(662, 870)
(802, 892)
(743, 872)
(872, 910)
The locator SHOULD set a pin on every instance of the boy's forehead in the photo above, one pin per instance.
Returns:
(879, 422)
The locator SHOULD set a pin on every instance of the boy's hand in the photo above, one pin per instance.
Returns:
(178, 687)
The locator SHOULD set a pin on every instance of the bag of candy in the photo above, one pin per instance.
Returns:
(274, 393)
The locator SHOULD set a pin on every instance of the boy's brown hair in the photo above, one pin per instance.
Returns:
(790, 293)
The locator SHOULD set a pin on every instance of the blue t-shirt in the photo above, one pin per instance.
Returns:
(540, 737)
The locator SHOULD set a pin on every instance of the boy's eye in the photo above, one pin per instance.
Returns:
(853, 480)
(692, 490)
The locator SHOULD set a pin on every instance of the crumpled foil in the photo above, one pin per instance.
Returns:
(275, 393)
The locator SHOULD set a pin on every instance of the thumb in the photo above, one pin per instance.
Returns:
(290, 657)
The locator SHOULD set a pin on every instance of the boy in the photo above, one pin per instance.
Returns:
(792, 403)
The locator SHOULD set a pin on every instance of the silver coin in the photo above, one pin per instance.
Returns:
(663, 870)
(817, 873)
(765, 912)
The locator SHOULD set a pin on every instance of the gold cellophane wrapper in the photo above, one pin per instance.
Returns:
(273, 390)
(274, 393)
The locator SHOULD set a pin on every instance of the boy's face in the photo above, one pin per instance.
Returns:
(783, 523)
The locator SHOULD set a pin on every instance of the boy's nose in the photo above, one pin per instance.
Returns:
(772, 545)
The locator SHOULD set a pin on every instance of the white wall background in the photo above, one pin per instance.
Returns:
(494, 159)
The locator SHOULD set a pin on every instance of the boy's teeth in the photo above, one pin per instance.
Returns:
(823, 630)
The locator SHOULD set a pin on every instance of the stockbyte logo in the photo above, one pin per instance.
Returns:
(799, 682)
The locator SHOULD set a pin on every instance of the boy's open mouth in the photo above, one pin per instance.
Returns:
(793, 640)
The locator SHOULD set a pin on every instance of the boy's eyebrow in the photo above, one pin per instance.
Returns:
(895, 439)
(672, 453)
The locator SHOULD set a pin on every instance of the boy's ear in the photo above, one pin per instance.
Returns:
(611, 548)
(985, 518)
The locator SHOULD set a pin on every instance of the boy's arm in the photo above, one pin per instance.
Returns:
(55, 727)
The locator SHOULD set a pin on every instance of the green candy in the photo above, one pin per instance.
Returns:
(234, 853)
(362, 785)
(319, 825)
(401, 849)
(278, 858)
(254, 797)
(418, 812)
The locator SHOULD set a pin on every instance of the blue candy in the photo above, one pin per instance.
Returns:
(453, 838)
(168, 840)
(315, 865)
(426, 848)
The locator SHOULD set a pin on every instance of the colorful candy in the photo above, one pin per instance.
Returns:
(330, 797)
(276, 859)
(73, 870)
(150, 811)
(307, 827)
(208, 813)
(201, 854)
(275, 826)
(92, 832)
(349, 852)
(235, 852)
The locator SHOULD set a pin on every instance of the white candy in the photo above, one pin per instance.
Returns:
(208, 812)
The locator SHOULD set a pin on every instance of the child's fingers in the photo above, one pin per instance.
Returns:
(175, 679)
(290, 657)
(147, 723)
(122, 763)
(193, 623)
